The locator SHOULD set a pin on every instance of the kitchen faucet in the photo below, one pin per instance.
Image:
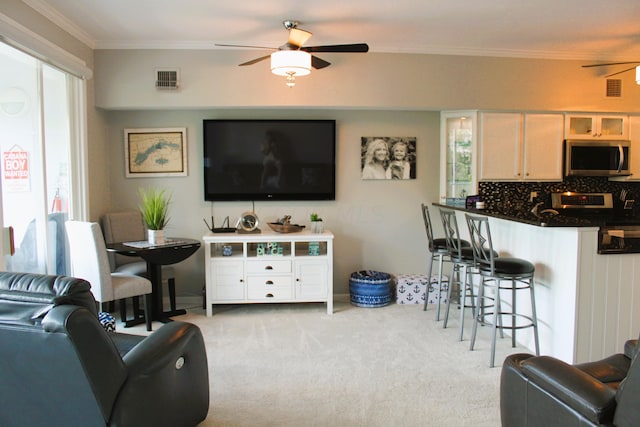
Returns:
(534, 210)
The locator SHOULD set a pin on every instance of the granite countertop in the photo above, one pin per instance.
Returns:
(527, 217)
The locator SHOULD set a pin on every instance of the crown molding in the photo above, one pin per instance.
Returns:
(61, 21)
(22, 38)
(42, 7)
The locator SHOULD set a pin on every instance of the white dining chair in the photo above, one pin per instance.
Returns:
(89, 261)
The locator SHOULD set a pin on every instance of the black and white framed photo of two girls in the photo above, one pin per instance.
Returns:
(388, 157)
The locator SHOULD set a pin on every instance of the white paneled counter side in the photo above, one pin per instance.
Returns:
(269, 267)
(586, 302)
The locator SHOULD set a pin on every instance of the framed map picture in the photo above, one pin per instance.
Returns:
(155, 152)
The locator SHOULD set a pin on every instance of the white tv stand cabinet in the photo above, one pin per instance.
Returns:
(268, 267)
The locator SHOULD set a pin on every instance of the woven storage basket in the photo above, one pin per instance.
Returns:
(370, 288)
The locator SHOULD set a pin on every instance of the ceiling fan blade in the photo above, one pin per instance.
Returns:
(298, 37)
(611, 63)
(318, 63)
(356, 47)
(253, 61)
(246, 46)
(620, 72)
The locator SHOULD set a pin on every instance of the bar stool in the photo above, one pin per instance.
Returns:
(438, 251)
(493, 271)
(461, 255)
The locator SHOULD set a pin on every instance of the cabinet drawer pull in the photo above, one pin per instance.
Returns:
(268, 296)
(269, 282)
(268, 267)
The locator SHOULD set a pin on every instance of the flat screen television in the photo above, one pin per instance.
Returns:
(269, 159)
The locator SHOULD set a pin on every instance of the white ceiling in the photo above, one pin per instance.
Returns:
(554, 29)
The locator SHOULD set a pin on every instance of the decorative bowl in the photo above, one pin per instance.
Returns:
(285, 228)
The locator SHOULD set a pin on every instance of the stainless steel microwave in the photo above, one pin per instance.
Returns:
(596, 157)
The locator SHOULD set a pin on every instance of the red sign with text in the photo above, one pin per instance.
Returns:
(15, 170)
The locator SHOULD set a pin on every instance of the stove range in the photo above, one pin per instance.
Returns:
(590, 203)
(617, 234)
(594, 209)
(579, 209)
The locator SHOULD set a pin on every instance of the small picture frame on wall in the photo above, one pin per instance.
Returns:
(384, 157)
(155, 152)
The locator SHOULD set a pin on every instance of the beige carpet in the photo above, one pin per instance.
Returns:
(294, 365)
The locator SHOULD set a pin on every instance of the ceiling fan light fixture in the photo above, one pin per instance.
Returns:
(291, 63)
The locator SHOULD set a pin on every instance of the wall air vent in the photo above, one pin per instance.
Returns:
(167, 78)
(614, 88)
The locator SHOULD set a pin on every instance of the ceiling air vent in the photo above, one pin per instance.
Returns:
(167, 78)
(614, 88)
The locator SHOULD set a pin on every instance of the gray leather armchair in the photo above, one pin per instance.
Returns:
(544, 391)
(60, 367)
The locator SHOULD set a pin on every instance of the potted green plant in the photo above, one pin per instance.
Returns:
(317, 226)
(154, 209)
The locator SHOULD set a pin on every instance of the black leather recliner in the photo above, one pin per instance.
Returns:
(544, 391)
(58, 366)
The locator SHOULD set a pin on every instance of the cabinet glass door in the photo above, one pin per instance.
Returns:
(588, 126)
(581, 126)
(459, 158)
(612, 126)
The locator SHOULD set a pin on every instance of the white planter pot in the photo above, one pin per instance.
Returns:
(317, 227)
(156, 237)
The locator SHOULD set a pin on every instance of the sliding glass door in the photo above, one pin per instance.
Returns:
(36, 117)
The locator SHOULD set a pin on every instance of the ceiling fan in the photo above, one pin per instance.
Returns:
(635, 67)
(293, 59)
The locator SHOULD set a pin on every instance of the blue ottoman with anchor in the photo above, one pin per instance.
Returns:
(370, 288)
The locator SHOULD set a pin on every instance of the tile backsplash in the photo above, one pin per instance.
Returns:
(515, 196)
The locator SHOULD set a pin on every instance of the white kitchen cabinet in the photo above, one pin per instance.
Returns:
(458, 155)
(601, 126)
(269, 267)
(500, 146)
(543, 144)
(520, 146)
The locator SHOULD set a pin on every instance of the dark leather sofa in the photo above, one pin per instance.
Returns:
(544, 391)
(58, 366)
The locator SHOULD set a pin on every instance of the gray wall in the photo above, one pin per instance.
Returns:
(377, 224)
(211, 79)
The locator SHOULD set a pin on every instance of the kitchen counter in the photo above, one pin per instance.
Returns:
(546, 220)
(584, 299)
